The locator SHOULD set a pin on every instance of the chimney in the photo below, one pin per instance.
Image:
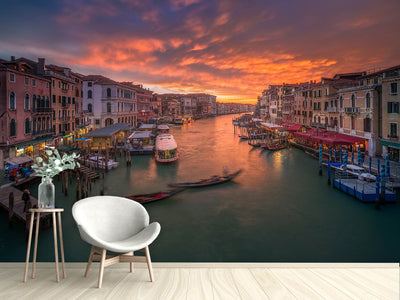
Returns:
(40, 66)
(12, 58)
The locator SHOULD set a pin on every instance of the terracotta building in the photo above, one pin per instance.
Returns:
(25, 108)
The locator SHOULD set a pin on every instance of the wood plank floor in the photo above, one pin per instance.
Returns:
(206, 281)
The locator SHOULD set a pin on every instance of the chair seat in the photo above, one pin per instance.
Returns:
(133, 243)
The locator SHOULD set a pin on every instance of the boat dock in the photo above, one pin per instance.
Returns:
(18, 207)
(364, 191)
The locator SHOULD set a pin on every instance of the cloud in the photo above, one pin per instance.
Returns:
(229, 48)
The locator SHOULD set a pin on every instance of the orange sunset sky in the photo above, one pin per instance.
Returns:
(232, 49)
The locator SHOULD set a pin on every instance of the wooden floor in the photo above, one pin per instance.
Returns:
(206, 281)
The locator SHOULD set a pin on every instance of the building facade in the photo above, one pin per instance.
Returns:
(106, 102)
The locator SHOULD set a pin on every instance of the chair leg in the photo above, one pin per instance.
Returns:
(101, 271)
(90, 261)
(148, 260)
(131, 263)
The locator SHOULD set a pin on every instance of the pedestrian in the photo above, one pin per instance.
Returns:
(26, 198)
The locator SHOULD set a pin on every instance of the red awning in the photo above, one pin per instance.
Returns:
(294, 127)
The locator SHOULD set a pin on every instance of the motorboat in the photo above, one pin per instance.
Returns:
(166, 148)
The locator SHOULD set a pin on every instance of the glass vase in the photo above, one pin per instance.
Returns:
(46, 193)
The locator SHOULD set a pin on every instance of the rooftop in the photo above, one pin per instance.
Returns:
(109, 130)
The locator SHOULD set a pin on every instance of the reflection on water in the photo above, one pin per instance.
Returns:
(278, 209)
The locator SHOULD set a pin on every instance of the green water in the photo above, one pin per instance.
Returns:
(277, 210)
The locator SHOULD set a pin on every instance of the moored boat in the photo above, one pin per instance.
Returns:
(166, 148)
(206, 182)
(147, 198)
(100, 162)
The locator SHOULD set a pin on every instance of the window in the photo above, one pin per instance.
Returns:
(108, 107)
(27, 106)
(89, 94)
(27, 126)
(47, 102)
(12, 77)
(393, 88)
(326, 120)
(393, 107)
(47, 85)
(341, 101)
(393, 130)
(89, 84)
(108, 93)
(54, 83)
(12, 100)
(59, 84)
(90, 108)
(353, 123)
(54, 98)
(319, 93)
(33, 82)
(13, 127)
(367, 125)
(326, 92)
(353, 101)
(26, 80)
(368, 100)
(97, 121)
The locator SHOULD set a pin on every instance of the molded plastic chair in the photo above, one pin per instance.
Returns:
(115, 224)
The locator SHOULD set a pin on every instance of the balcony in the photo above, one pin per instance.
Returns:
(319, 125)
(42, 110)
(65, 105)
(37, 133)
(65, 119)
(352, 110)
(332, 110)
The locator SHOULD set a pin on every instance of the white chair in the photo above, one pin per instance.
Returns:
(115, 224)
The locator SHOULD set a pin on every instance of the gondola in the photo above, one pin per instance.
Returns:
(206, 182)
(147, 198)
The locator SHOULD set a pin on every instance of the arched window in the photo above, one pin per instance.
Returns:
(90, 107)
(108, 107)
(27, 126)
(39, 124)
(108, 93)
(353, 123)
(34, 125)
(13, 129)
(48, 123)
(341, 101)
(353, 101)
(89, 94)
(27, 104)
(54, 115)
(12, 100)
(47, 102)
(368, 100)
(34, 101)
(341, 121)
(326, 120)
(319, 119)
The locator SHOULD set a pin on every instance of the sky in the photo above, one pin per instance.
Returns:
(232, 49)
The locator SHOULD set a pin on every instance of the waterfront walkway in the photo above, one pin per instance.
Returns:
(18, 202)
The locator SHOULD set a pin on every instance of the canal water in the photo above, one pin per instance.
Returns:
(277, 210)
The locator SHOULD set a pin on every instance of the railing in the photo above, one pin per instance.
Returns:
(332, 109)
(65, 105)
(42, 132)
(351, 110)
(41, 110)
(320, 125)
(64, 119)
(393, 137)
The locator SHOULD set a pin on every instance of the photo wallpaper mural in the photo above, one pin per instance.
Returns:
(252, 133)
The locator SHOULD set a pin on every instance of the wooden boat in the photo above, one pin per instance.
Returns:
(206, 182)
(147, 198)
(276, 147)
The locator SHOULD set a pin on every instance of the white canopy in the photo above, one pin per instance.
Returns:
(165, 142)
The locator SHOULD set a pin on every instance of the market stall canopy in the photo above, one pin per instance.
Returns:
(18, 160)
(271, 126)
(109, 130)
(140, 135)
(163, 127)
(147, 126)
